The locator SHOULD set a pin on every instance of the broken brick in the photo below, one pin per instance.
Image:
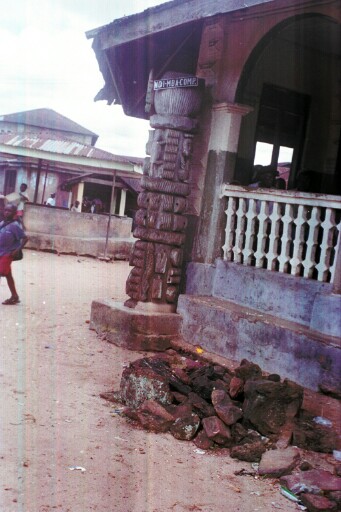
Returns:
(140, 384)
(224, 408)
(315, 480)
(179, 411)
(200, 406)
(217, 430)
(202, 441)
(203, 386)
(316, 503)
(269, 405)
(153, 416)
(236, 387)
(248, 370)
(182, 375)
(310, 435)
(248, 451)
(179, 397)
(276, 463)
(186, 427)
(239, 432)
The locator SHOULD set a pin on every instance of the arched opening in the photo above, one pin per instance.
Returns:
(292, 80)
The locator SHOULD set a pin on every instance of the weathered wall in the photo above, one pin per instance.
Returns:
(288, 325)
(238, 54)
(81, 233)
(285, 296)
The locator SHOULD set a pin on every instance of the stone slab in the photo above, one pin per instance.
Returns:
(134, 329)
(314, 480)
(277, 463)
(316, 503)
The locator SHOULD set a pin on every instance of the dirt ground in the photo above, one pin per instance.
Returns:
(52, 370)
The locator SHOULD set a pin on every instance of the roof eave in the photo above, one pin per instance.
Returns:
(163, 17)
(126, 31)
(82, 161)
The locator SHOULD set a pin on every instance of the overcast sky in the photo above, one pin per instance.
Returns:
(47, 62)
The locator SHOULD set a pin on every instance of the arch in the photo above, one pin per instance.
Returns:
(299, 57)
(266, 41)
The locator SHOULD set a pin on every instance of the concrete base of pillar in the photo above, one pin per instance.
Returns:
(134, 329)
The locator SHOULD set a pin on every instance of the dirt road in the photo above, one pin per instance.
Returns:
(52, 370)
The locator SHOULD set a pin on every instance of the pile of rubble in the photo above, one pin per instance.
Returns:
(256, 416)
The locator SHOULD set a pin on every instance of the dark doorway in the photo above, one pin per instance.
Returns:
(10, 182)
(97, 191)
(280, 130)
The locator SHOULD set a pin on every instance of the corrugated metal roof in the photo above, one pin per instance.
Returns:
(132, 183)
(164, 16)
(46, 118)
(64, 147)
(150, 39)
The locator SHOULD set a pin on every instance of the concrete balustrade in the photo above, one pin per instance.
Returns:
(291, 232)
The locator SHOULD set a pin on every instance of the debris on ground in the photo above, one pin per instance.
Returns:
(257, 417)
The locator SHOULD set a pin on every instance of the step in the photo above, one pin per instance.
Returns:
(279, 346)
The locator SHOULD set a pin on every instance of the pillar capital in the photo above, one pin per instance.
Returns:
(232, 108)
(225, 126)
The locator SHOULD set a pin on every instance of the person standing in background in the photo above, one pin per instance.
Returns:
(76, 207)
(24, 198)
(51, 200)
(12, 240)
(18, 199)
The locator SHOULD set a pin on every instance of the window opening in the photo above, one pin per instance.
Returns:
(280, 131)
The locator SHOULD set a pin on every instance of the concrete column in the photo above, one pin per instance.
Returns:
(225, 126)
(222, 151)
(123, 202)
(80, 192)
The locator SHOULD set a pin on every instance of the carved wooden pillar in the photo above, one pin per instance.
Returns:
(160, 222)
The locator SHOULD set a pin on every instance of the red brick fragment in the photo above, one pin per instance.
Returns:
(186, 427)
(153, 416)
(236, 387)
(216, 430)
(203, 442)
(316, 503)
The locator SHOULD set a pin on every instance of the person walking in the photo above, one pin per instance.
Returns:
(12, 240)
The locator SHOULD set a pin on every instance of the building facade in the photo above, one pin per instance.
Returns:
(259, 265)
(53, 154)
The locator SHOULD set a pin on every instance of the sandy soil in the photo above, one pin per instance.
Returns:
(52, 370)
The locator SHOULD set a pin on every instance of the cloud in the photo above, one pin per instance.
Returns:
(47, 62)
